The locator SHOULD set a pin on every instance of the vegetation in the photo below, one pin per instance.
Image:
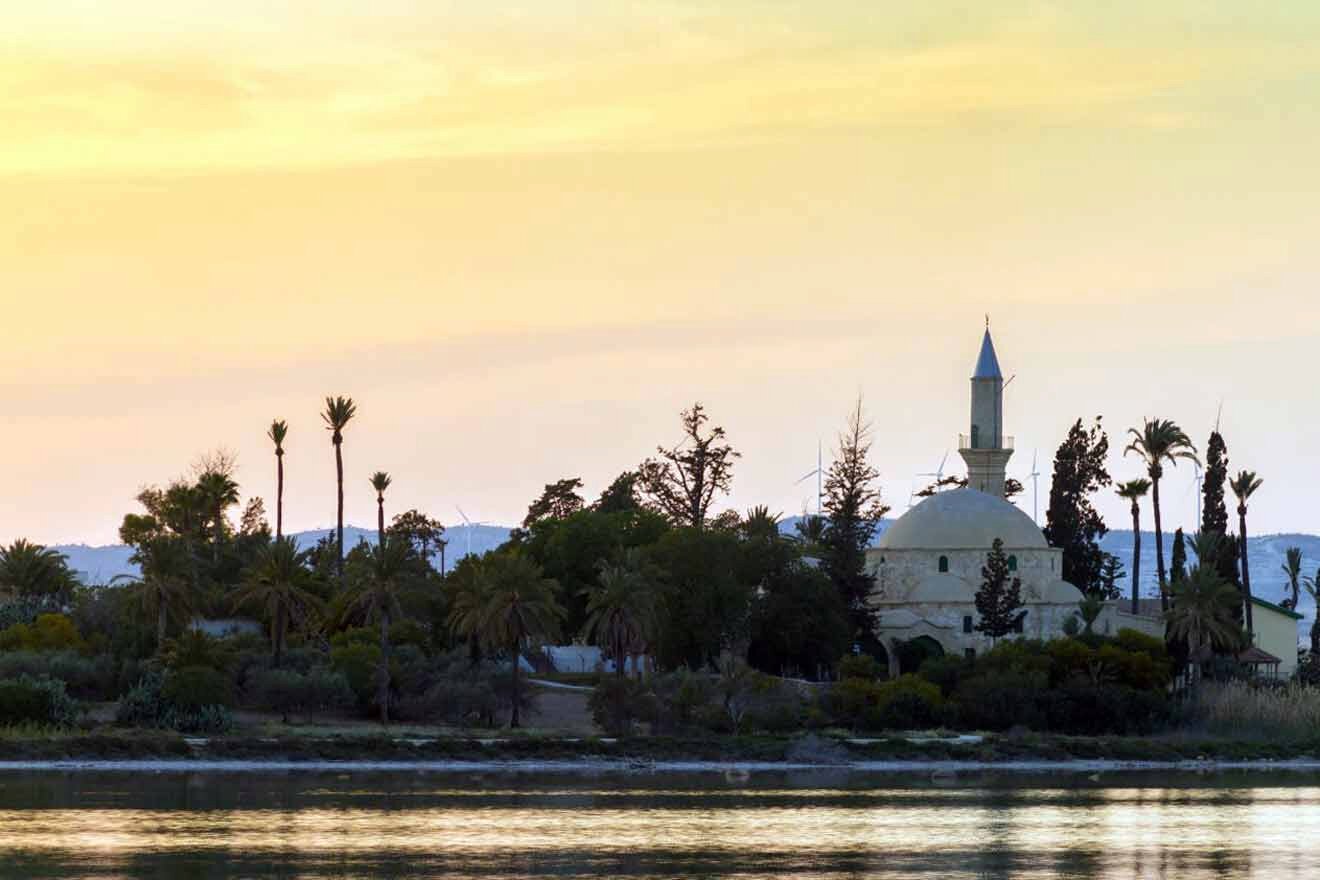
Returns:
(1133, 491)
(1071, 522)
(999, 600)
(1244, 485)
(727, 624)
(1158, 441)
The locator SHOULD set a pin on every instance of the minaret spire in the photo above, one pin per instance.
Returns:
(985, 449)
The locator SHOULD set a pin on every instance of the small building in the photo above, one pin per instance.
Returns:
(1274, 631)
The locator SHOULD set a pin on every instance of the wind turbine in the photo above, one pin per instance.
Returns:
(819, 474)
(939, 471)
(469, 525)
(1035, 489)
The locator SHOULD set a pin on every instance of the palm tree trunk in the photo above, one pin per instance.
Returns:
(1315, 632)
(1246, 573)
(1159, 542)
(339, 516)
(279, 495)
(383, 694)
(219, 533)
(279, 634)
(160, 623)
(1136, 557)
(380, 520)
(513, 718)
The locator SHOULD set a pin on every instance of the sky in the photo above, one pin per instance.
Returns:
(524, 236)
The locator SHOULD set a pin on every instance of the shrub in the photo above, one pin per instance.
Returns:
(618, 704)
(86, 678)
(24, 610)
(49, 632)
(907, 702)
(1308, 671)
(357, 662)
(194, 648)
(862, 666)
(681, 698)
(288, 692)
(947, 672)
(1085, 708)
(999, 700)
(193, 687)
(850, 700)
(27, 700)
(151, 703)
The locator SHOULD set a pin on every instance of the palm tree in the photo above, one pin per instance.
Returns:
(1313, 587)
(514, 605)
(1134, 491)
(339, 411)
(1204, 604)
(377, 594)
(278, 430)
(1158, 441)
(380, 481)
(279, 579)
(218, 493)
(1293, 569)
(165, 588)
(621, 610)
(28, 569)
(1244, 486)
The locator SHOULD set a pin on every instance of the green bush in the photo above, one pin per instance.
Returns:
(289, 692)
(851, 700)
(193, 687)
(27, 700)
(618, 705)
(905, 703)
(947, 672)
(357, 662)
(49, 632)
(148, 705)
(862, 666)
(1000, 700)
(87, 678)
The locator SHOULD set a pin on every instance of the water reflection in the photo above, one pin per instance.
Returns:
(312, 825)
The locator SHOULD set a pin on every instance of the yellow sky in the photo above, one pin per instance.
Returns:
(524, 238)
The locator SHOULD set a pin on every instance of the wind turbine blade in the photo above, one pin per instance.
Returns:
(808, 476)
(944, 460)
(462, 514)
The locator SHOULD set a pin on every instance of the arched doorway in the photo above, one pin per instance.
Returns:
(914, 652)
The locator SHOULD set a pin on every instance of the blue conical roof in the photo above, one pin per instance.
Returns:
(987, 365)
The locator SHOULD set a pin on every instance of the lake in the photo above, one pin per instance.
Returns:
(810, 824)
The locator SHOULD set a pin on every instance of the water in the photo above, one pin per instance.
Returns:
(804, 825)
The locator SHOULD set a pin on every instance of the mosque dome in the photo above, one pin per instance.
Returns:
(963, 519)
(942, 588)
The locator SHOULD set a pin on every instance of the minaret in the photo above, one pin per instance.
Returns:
(985, 449)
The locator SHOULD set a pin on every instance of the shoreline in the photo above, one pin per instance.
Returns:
(590, 767)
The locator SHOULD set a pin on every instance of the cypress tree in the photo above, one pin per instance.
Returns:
(1071, 522)
(1178, 567)
(1000, 597)
(1214, 513)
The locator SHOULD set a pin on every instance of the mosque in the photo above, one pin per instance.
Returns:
(928, 563)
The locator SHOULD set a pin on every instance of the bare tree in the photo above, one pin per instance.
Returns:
(684, 480)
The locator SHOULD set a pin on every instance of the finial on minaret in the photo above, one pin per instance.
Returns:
(987, 320)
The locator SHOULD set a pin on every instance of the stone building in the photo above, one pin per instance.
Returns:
(928, 563)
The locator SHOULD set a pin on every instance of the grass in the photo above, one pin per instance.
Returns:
(1243, 711)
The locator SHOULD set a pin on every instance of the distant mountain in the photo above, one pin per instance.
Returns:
(99, 565)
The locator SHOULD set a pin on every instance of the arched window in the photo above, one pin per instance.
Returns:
(976, 436)
(1012, 563)
(944, 564)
